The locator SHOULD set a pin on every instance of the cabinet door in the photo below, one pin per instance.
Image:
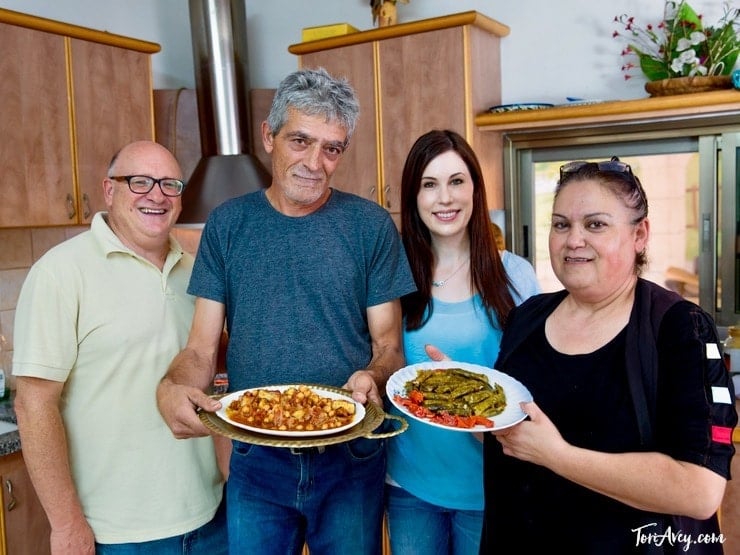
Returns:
(422, 87)
(36, 182)
(26, 528)
(112, 107)
(358, 171)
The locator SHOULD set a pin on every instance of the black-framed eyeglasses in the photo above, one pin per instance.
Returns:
(613, 165)
(142, 184)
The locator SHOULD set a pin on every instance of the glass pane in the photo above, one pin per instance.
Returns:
(737, 226)
(671, 182)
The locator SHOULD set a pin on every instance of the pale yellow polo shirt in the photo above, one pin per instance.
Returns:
(108, 323)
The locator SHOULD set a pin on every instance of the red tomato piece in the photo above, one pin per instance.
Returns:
(483, 421)
(416, 396)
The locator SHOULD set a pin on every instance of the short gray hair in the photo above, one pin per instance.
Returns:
(316, 93)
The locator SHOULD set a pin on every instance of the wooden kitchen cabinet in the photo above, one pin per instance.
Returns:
(35, 141)
(410, 78)
(24, 529)
(112, 107)
(69, 98)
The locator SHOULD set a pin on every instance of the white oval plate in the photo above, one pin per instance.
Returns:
(227, 399)
(513, 389)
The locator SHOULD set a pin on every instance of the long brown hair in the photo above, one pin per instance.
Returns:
(487, 272)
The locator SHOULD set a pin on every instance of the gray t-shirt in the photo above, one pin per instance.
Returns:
(297, 289)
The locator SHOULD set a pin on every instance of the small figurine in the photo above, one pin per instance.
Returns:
(384, 11)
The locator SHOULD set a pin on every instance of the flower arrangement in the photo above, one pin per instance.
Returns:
(680, 46)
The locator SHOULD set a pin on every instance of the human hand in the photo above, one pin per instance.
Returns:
(178, 405)
(435, 354)
(535, 440)
(363, 387)
(75, 538)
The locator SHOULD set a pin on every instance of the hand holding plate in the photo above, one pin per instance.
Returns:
(537, 440)
(363, 387)
(178, 404)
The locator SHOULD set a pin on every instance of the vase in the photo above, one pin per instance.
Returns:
(684, 85)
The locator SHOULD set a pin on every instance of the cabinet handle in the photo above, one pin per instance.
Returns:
(386, 192)
(71, 212)
(12, 503)
(85, 206)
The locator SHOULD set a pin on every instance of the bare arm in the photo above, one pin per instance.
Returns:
(44, 443)
(182, 391)
(384, 323)
(649, 481)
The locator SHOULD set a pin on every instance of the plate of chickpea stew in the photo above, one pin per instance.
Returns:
(291, 410)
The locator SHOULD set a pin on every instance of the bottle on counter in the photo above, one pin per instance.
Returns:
(4, 367)
(732, 350)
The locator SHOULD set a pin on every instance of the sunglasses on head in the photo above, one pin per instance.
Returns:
(613, 165)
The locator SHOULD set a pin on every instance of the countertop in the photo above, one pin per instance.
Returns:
(10, 441)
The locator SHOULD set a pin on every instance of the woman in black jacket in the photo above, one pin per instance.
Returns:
(627, 447)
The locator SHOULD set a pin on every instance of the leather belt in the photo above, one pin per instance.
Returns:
(307, 450)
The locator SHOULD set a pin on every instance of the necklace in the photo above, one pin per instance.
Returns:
(448, 278)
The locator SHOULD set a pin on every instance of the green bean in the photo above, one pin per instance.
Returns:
(466, 388)
(452, 408)
(459, 392)
(470, 375)
(477, 397)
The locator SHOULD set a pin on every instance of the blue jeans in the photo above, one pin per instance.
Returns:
(209, 539)
(333, 500)
(416, 527)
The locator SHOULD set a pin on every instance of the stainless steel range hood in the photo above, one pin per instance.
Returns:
(228, 167)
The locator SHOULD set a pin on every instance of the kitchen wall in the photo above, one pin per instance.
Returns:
(556, 49)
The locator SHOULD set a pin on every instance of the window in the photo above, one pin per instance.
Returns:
(694, 206)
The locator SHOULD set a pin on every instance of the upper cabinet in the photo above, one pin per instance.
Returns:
(69, 98)
(35, 141)
(410, 78)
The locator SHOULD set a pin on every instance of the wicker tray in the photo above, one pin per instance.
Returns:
(685, 85)
(374, 415)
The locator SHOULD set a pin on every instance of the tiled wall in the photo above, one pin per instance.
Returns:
(20, 248)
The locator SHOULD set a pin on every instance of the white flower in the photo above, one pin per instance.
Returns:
(697, 37)
(686, 57)
(685, 43)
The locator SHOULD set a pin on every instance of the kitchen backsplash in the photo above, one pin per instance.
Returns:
(20, 248)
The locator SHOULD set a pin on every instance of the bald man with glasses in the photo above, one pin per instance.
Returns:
(98, 321)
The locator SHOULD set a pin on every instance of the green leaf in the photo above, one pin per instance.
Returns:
(652, 68)
(685, 23)
(723, 45)
(687, 13)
